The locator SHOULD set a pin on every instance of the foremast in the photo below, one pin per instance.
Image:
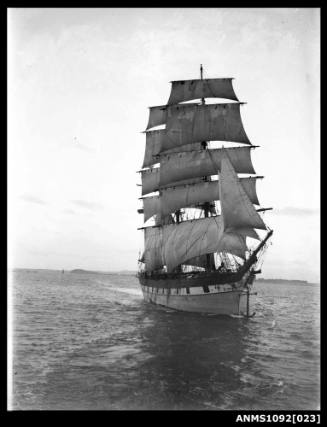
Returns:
(206, 205)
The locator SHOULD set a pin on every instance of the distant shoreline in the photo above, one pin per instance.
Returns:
(77, 271)
(285, 281)
(81, 271)
(133, 273)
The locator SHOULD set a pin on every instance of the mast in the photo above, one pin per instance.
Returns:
(206, 205)
(201, 77)
(178, 213)
(204, 143)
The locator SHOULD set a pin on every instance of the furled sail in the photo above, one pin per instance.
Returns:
(186, 90)
(208, 122)
(158, 114)
(236, 208)
(176, 167)
(153, 147)
(182, 196)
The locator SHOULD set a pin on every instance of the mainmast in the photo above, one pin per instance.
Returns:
(206, 205)
(178, 213)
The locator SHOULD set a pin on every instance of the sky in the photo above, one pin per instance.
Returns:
(80, 82)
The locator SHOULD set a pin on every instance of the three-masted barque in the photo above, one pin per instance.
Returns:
(205, 238)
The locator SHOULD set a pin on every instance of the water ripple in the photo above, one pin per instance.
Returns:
(90, 342)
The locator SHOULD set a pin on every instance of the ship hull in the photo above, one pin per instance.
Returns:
(228, 299)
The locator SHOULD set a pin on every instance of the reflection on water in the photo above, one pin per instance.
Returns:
(194, 358)
(90, 342)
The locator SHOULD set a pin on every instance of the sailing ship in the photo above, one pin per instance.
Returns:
(204, 238)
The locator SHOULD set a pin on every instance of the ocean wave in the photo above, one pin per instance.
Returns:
(94, 344)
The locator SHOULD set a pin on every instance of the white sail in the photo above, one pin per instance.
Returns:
(176, 167)
(151, 179)
(175, 244)
(186, 90)
(153, 147)
(151, 206)
(183, 182)
(246, 232)
(152, 255)
(158, 114)
(190, 239)
(236, 208)
(182, 196)
(211, 122)
(175, 198)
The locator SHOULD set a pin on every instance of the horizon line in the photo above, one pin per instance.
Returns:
(135, 271)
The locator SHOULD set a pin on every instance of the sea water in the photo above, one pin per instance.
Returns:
(89, 341)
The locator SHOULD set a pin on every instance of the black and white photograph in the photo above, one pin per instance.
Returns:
(163, 209)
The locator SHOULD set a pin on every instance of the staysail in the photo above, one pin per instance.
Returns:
(236, 207)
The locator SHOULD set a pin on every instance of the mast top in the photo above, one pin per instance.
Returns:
(201, 75)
